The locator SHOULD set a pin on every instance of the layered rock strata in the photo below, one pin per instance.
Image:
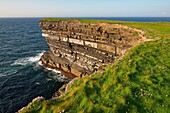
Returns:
(80, 49)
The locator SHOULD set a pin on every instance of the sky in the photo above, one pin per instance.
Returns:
(84, 8)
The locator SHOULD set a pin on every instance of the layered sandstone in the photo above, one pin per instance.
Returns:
(80, 49)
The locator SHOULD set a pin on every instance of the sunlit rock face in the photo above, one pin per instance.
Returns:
(79, 49)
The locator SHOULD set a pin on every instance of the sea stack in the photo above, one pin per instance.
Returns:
(79, 48)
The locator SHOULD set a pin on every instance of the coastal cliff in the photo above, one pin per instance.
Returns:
(137, 83)
(78, 49)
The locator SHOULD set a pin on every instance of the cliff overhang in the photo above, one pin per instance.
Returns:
(79, 49)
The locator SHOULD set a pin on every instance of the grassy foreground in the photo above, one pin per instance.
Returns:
(139, 83)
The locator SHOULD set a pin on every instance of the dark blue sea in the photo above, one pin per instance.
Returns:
(22, 78)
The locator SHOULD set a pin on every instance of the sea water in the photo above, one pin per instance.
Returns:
(22, 78)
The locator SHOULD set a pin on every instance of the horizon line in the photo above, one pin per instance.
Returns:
(95, 17)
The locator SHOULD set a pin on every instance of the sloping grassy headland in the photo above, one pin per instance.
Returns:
(138, 83)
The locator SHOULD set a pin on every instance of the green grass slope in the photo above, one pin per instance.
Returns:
(139, 83)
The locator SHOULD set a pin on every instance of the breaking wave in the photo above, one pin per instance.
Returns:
(54, 70)
(2, 75)
(54, 74)
(28, 60)
(49, 69)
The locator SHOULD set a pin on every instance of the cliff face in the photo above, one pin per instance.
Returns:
(80, 49)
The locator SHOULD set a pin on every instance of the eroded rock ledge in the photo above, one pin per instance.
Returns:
(80, 49)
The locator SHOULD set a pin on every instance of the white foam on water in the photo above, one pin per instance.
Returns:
(2, 75)
(27, 60)
(40, 63)
(54, 70)
(57, 76)
(49, 79)
(37, 83)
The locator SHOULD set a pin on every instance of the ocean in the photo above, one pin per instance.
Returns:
(22, 78)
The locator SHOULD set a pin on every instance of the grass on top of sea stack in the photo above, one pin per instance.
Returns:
(138, 83)
(152, 29)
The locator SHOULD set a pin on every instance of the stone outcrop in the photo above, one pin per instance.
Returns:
(80, 49)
